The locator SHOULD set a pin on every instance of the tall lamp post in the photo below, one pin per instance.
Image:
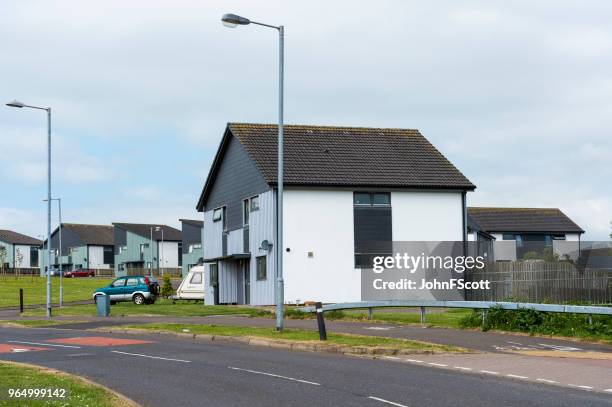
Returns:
(20, 105)
(61, 263)
(233, 20)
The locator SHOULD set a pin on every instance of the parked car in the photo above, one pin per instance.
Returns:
(55, 273)
(79, 273)
(139, 289)
(192, 286)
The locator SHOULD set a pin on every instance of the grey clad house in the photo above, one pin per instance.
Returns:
(140, 247)
(18, 250)
(83, 246)
(344, 186)
(517, 231)
(191, 243)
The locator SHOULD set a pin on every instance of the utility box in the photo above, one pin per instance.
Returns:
(103, 305)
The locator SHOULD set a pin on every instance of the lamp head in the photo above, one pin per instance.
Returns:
(16, 103)
(232, 20)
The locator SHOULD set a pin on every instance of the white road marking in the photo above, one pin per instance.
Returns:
(546, 380)
(437, 364)
(580, 386)
(488, 372)
(378, 328)
(560, 348)
(517, 376)
(463, 368)
(293, 379)
(79, 354)
(515, 343)
(19, 350)
(414, 360)
(46, 344)
(608, 390)
(151, 357)
(387, 401)
(391, 357)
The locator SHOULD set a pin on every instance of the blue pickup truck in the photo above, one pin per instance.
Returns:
(139, 289)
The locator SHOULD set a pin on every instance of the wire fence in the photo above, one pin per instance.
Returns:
(539, 281)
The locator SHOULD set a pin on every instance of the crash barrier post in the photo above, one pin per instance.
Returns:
(321, 321)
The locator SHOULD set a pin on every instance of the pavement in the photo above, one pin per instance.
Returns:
(163, 370)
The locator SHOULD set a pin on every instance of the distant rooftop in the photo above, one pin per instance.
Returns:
(144, 229)
(8, 236)
(523, 220)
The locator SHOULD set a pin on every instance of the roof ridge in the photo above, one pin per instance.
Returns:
(317, 126)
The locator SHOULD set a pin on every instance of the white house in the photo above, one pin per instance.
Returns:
(18, 251)
(344, 187)
(516, 231)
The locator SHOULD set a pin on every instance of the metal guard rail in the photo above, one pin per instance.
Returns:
(575, 309)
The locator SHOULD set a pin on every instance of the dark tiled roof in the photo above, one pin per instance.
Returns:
(11, 237)
(351, 156)
(98, 235)
(523, 220)
(346, 156)
(197, 223)
(144, 229)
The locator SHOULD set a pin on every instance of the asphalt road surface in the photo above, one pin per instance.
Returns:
(169, 371)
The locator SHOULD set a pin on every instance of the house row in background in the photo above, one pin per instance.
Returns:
(120, 248)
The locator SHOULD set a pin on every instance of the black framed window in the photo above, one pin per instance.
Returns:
(255, 203)
(217, 214)
(214, 274)
(246, 211)
(372, 199)
(262, 272)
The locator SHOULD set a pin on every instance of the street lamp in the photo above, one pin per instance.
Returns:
(233, 20)
(16, 103)
(61, 265)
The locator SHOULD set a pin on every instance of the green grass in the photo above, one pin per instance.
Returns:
(36, 323)
(80, 394)
(298, 335)
(447, 318)
(160, 308)
(34, 289)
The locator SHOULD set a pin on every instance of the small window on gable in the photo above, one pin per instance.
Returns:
(262, 273)
(255, 203)
(217, 214)
(372, 199)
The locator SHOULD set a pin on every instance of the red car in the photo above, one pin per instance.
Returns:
(79, 273)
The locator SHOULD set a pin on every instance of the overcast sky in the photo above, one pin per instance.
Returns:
(518, 96)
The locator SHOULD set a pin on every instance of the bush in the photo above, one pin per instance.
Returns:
(166, 290)
(544, 323)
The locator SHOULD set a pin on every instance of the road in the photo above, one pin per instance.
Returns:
(169, 371)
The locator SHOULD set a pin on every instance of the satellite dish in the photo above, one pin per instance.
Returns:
(265, 245)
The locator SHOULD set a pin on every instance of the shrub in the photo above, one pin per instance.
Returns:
(166, 290)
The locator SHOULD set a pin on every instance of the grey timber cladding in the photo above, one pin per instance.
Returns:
(192, 233)
(120, 238)
(237, 178)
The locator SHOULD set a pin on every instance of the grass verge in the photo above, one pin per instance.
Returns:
(299, 336)
(160, 308)
(35, 323)
(34, 289)
(79, 392)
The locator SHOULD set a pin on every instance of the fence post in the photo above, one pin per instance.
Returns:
(321, 322)
(370, 313)
(422, 315)
(21, 300)
(484, 316)
(590, 318)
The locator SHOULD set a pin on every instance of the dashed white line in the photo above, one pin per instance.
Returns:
(437, 364)
(414, 360)
(515, 376)
(608, 390)
(150, 357)
(463, 368)
(580, 386)
(391, 357)
(545, 380)
(387, 401)
(293, 379)
(488, 372)
(46, 344)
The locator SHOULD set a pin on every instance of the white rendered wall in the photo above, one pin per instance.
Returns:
(320, 222)
(427, 216)
(95, 257)
(572, 237)
(25, 252)
(168, 254)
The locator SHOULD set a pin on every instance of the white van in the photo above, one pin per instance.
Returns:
(192, 286)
